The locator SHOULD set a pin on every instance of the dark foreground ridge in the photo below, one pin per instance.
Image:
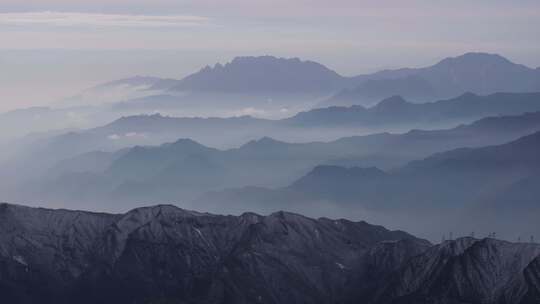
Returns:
(164, 254)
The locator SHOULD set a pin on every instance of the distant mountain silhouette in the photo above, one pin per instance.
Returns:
(185, 169)
(273, 83)
(270, 85)
(267, 83)
(431, 182)
(479, 73)
(391, 112)
(411, 87)
(397, 111)
(496, 183)
(140, 163)
(265, 74)
(344, 182)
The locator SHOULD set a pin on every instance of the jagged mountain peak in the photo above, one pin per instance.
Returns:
(262, 74)
(272, 60)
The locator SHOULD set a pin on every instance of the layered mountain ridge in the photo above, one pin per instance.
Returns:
(482, 187)
(184, 169)
(481, 73)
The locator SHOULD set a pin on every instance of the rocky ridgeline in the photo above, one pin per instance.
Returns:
(164, 254)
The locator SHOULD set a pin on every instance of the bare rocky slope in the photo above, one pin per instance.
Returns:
(164, 254)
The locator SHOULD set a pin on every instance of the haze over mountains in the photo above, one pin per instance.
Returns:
(397, 112)
(390, 115)
(184, 170)
(270, 87)
(269, 152)
(448, 150)
(495, 184)
(266, 80)
(478, 73)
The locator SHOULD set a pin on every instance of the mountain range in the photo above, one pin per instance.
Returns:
(393, 114)
(477, 186)
(278, 185)
(396, 111)
(275, 88)
(478, 73)
(266, 74)
(164, 254)
(268, 82)
(182, 170)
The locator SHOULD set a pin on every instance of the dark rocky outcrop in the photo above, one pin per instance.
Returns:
(164, 254)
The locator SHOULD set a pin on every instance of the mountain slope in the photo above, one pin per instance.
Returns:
(432, 182)
(395, 111)
(463, 271)
(532, 276)
(164, 254)
(372, 90)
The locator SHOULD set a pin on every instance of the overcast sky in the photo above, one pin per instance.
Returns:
(53, 48)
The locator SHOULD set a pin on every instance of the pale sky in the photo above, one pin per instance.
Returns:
(53, 48)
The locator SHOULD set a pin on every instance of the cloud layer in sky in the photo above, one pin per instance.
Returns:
(69, 19)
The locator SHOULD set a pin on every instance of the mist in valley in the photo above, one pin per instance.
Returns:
(134, 152)
(242, 152)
